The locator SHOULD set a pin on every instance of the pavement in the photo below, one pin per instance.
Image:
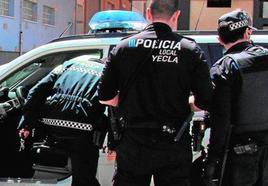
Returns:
(104, 174)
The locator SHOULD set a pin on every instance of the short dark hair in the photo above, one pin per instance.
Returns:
(163, 8)
(231, 37)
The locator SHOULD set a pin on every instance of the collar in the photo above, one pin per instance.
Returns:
(158, 26)
(239, 47)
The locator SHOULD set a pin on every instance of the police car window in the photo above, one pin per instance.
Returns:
(215, 51)
(204, 47)
(263, 44)
(20, 75)
(40, 67)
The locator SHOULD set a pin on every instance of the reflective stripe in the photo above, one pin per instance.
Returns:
(83, 70)
(238, 25)
(67, 124)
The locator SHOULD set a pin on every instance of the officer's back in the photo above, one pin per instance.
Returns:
(149, 76)
(164, 81)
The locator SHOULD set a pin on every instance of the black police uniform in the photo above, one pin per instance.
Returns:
(66, 102)
(172, 66)
(240, 99)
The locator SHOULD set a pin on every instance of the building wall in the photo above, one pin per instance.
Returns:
(139, 6)
(92, 7)
(9, 29)
(116, 4)
(35, 33)
(7, 56)
(80, 17)
(208, 17)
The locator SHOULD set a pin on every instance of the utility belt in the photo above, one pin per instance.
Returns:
(173, 128)
(119, 125)
(248, 148)
(168, 127)
(98, 136)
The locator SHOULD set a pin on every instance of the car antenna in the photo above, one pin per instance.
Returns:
(66, 29)
(199, 15)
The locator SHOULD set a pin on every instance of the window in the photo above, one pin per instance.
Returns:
(265, 10)
(7, 7)
(30, 10)
(48, 15)
(219, 3)
(37, 69)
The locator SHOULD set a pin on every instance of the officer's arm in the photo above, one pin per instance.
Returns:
(220, 119)
(193, 107)
(35, 99)
(112, 102)
(201, 85)
(223, 79)
(108, 85)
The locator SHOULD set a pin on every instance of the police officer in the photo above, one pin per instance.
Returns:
(239, 105)
(66, 102)
(149, 76)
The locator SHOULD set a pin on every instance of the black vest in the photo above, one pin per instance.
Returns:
(251, 105)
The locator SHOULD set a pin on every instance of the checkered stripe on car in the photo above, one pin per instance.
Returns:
(84, 70)
(238, 25)
(67, 124)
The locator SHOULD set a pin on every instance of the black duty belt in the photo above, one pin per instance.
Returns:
(148, 124)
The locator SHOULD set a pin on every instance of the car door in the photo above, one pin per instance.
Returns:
(13, 88)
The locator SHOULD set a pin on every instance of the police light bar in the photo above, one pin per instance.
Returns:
(117, 20)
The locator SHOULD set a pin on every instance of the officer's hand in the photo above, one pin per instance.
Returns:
(193, 107)
(4, 109)
(24, 133)
(210, 173)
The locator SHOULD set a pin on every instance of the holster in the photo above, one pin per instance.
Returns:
(98, 138)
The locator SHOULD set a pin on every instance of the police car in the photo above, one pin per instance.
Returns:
(19, 75)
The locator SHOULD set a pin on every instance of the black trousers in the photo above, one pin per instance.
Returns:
(146, 152)
(84, 159)
(248, 169)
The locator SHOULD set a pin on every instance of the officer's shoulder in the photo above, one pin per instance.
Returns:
(187, 42)
(61, 68)
(257, 49)
(224, 65)
(129, 36)
(89, 63)
(123, 42)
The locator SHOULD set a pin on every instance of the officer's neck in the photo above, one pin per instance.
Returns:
(165, 22)
(229, 45)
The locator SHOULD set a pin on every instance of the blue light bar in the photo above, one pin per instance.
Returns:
(117, 19)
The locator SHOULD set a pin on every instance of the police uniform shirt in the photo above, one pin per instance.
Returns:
(174, 66)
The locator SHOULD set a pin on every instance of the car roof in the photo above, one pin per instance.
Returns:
(86, 41)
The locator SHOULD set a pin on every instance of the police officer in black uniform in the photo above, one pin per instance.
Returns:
(166, 67)
(66, 102)
(239, 105)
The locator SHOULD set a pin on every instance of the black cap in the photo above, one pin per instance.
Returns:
(235, 20)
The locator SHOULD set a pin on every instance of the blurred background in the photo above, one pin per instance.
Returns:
(26, 24)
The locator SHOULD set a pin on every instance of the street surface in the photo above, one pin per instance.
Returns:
(104, 174)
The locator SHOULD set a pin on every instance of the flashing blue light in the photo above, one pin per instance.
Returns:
(117, 19)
